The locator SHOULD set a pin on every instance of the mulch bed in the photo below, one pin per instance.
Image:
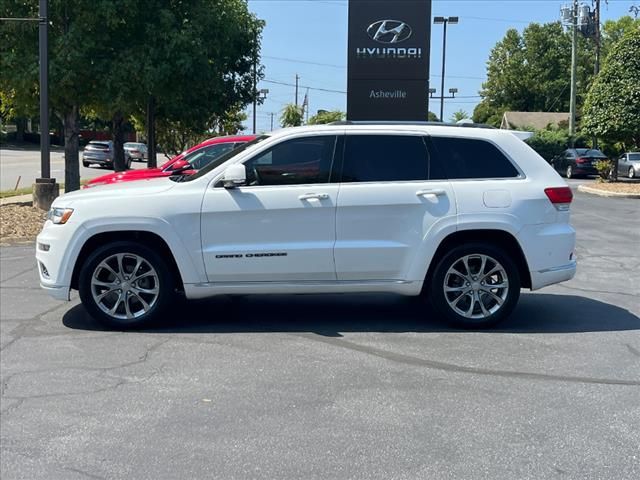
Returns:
(20, 222)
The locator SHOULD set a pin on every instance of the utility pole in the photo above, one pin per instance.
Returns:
(272, 121)
(297, 78)
(574, 64)
(596, 20)
(255, 82)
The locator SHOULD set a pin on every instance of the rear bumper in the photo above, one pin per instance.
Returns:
(550, 253)
(553, 275)
(584, 171)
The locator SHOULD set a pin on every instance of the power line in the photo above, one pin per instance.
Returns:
(305, 86)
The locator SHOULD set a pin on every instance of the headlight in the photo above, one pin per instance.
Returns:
(59, 216)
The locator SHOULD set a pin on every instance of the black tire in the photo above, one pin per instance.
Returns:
(86, 164)
(475, 293)
(163, 281)
(569, 172)
(631, 173)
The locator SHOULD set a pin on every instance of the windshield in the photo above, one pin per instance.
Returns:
(226, 156)
(590, 152)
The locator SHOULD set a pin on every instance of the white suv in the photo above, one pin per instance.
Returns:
(464, 216)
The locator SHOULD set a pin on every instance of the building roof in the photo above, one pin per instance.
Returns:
(537, 120)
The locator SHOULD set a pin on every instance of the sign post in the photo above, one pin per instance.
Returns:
(388, 60)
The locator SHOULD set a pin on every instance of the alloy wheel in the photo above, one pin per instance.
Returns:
(476, 286)
(125, 286)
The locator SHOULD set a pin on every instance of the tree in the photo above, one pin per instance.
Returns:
(487, 113)
(291, 116)
(613, 103)
(459, 115)
(531, 72)
(324, 116)
(194, 56)
(432, 117)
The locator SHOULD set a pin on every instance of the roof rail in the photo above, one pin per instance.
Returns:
(425, 123)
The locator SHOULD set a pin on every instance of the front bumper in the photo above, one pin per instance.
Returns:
(52, 258)
(59, 293)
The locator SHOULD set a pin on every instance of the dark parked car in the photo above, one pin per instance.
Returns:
(136, 151)
(629, 164)
(100, 152)
(576, 162)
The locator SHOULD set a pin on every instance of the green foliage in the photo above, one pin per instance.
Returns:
(530, 72)
(291, 116)
(549, 142)
(488, 114)
(459, 115)
(323, 117)
(432, 117)
(605, 169)
(107, 57)
(612, 107)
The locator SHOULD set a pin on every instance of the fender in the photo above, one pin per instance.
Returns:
(189, 262)
(444, 227)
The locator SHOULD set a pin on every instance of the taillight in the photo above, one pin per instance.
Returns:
(582, 160)
(560, 197)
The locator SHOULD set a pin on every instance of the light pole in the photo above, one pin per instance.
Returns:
(444, 21)
(452, 91)
(261, 97)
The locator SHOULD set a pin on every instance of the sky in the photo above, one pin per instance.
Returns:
(309, 38)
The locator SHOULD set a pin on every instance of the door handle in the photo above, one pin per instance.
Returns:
(313, 196)
(431, 193)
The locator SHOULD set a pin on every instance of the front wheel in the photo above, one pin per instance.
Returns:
(125, 285)
(569, 172)
(475, 286)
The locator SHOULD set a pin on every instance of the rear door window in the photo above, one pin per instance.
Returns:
(472, 158)
(385, 158)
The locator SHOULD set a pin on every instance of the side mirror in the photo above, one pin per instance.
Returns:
(234, 176)
(179, 166)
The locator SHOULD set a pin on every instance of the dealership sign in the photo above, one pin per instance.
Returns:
(388, 74)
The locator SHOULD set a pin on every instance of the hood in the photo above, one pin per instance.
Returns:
(152, 186)
(126, 176)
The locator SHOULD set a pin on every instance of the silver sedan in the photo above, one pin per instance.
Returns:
(629, 164)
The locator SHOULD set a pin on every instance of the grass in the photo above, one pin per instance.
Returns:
(28, 190)
(15, 193)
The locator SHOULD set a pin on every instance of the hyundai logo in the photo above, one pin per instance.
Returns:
(389, 31)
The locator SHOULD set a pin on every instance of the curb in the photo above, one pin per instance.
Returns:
(17, 199)
(604, 193)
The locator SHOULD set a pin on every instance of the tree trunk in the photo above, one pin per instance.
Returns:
(117, 124)
(71, 124)
(151, 132)
(21, 124)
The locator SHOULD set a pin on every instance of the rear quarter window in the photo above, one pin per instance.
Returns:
(472, 158)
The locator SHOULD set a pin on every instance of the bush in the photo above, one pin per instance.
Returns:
(549, 142)
(605, 169)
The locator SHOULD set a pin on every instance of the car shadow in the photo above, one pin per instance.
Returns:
(329, 315)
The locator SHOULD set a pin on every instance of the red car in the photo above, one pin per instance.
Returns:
(187, 163)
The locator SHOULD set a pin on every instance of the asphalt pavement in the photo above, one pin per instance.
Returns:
(25, 163)
(333, 387)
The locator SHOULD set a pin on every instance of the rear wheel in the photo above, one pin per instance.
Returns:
(125, 285)
(85, 164)
(475, 286)
(631, 172)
